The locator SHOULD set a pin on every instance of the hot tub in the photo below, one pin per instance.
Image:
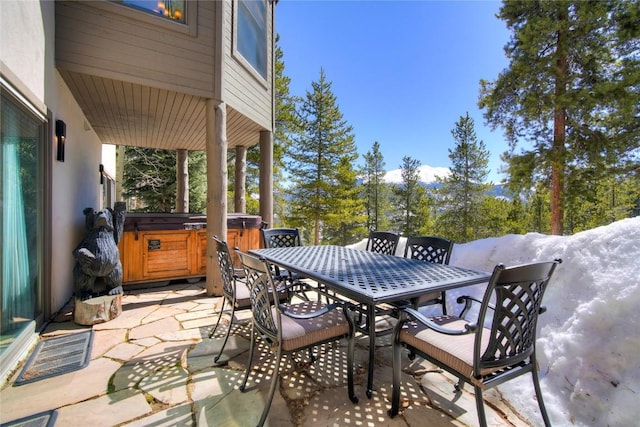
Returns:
(158, 247)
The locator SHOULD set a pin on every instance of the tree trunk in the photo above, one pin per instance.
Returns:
(182, 181)
(239, 199)
(559, 129)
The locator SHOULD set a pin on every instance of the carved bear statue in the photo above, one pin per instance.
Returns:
(97, 254)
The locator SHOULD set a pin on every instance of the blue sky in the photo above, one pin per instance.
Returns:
(403, 72)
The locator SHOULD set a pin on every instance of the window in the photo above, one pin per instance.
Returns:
(251, 33)
(22, 144)
(170, 9)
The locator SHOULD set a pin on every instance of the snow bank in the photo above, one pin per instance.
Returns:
(589, 338)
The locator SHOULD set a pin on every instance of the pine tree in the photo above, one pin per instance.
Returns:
(320, 159)
(197, 181)
(150, 180)
(572, 92)
(346, 223)
(286, 125)
(375, 190)
(411, 203)
(464, 190)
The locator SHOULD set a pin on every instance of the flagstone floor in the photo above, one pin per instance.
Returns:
(153, 366)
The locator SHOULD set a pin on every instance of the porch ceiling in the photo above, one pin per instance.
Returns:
(123, 113)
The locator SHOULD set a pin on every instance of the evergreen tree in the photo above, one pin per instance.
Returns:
(150, 179)
(463, 191)
(411, 203)
(197, 181)
(376, 191)
(320, 159)
(572, 91)
(286, 125)
(346, 223)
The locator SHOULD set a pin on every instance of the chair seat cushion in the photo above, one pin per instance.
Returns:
(301, 333)
(242, 295)
(431, 297)
(455, 351)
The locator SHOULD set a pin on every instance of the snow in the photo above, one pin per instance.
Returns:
(588, 343)
(427, 174)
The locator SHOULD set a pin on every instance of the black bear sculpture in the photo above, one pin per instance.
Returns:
(97, 254)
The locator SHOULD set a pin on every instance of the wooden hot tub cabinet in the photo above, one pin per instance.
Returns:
(163, 247)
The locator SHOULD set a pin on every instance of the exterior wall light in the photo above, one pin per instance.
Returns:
(61, 136)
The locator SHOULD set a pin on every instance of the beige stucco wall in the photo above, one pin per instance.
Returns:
(27, 56)
(76, 185)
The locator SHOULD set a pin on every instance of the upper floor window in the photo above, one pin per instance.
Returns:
(170, 9)
(251, 33)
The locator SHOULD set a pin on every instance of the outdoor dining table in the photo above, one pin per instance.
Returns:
(370, 278)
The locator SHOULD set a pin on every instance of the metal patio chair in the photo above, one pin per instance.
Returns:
(481, 356)
(234, 289)
(383, 242)
(285, 238)
(282, 238)
(291, 328)
(430, 249)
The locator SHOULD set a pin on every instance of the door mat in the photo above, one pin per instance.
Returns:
(43, 419)
(57, 356)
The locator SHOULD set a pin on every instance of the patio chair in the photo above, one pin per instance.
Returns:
(234, 289)
(289, 329)
(481, 356)
(430, 249)
(282, 238)
(383, 242)
(285, 238)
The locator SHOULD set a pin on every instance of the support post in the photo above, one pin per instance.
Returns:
(266, 176)
(216, 135)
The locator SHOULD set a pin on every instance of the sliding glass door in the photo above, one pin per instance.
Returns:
(21, 137)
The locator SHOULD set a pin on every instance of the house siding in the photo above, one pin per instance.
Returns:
(114, 41)
(243, 91)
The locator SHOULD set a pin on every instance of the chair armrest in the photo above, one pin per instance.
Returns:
(419, 317)
(324, 310)
(467, 304)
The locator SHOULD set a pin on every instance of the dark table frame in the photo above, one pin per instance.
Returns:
(370, 278)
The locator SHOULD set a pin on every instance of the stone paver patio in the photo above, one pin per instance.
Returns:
(153, 366)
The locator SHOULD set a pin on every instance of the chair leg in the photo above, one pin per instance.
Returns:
(224, 299)
(443, 299)
(350, 357)
(226, 337)
(272, 390)
(395, 394)
(482, 418)
(251, 349)
(536, 385)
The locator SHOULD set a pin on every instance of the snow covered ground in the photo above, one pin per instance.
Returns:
(589, 338)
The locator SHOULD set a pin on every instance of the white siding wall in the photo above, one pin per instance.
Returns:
(243, 91)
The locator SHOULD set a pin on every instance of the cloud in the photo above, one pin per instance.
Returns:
(427, 174)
